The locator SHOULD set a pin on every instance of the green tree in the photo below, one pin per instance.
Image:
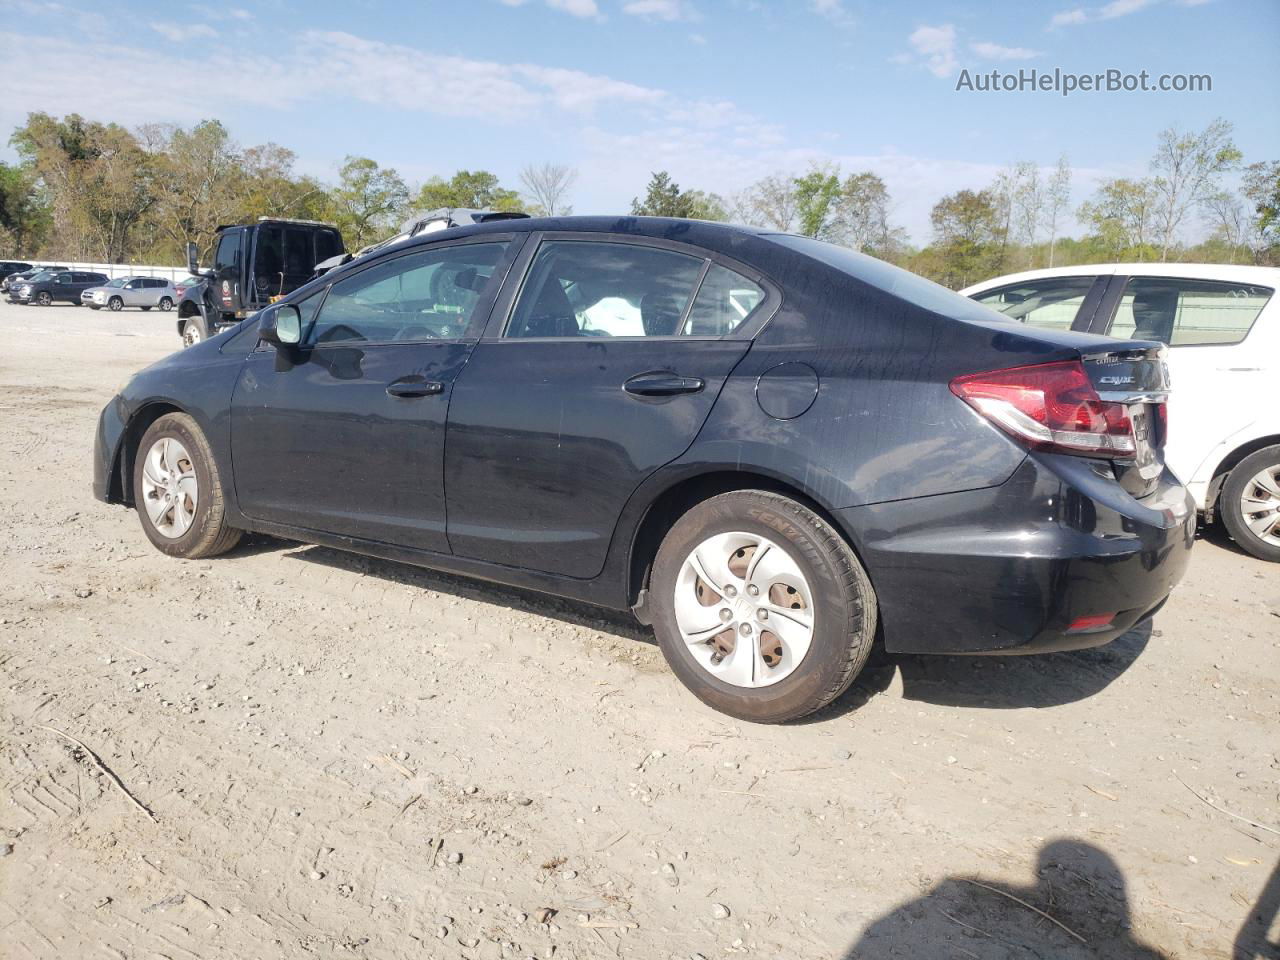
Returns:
(24, 218)
(1187, 168)
(368, 201)
(199, 182)
(477, 189)
(1260, 187)
(1123, 219)
(817, 195)
(968, 233)
(664, 198)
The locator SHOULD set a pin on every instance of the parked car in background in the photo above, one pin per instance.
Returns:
(144, 292)
(182, 286)
(16, 278)
(10, 267)
(793, 448)
(1222, 327)
(48, 287)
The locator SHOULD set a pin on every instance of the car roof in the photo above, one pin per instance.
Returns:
(1230, 272)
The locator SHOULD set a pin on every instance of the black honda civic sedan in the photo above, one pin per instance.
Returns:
(774, 450)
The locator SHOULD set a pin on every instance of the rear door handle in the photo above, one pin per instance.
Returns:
(662, 385)
(415, 388)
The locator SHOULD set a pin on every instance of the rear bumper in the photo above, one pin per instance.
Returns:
(1008, 569)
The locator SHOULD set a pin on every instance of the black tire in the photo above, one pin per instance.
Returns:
(1232, 510)
(95, 306)
(165, 304)
(209, 533)
(115, 304)
(844, 605)
(145, 309)
(44, 299)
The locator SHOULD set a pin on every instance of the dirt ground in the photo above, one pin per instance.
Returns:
(350, 758)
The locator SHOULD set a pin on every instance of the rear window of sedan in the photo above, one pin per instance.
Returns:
(893, 280)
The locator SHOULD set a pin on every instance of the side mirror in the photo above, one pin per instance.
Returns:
(193, 265)
(281, 326)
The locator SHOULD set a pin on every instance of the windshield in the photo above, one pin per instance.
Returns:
(42, 275)
(117, 282)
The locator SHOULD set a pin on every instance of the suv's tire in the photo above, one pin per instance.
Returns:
(44, 298)
(1250, 503)
(814, 573)
(115, 304)
(178, 492)
(194, 330)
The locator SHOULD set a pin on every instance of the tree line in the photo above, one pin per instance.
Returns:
(85, 190)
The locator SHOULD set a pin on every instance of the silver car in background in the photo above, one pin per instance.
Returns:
(144, 292)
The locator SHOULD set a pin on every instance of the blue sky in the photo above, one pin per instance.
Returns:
(718, 92)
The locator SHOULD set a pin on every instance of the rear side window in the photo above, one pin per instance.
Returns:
(1052, 303)
(422, 296)
(582, 288)
(723, 303)
(1184, 313)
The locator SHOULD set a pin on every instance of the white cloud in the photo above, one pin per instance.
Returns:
(670, 10)
(833, 10)
(937, 45)
(994, 51)
(576, 8)
(1109, 11)
(175, 32)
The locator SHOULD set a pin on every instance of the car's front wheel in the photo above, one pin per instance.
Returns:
(192, 331)
(760, 607)
(115, 304)
(178, 491)
(166, 304)
(1250, 503)
(43, 298)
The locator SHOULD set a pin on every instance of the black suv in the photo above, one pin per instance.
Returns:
(12, 280)
(46, 287)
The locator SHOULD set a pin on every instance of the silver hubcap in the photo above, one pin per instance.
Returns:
(169, 489)
(744, 609)
(190, 334)
(1260, 505)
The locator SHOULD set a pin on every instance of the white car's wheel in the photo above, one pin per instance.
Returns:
(1250, 503)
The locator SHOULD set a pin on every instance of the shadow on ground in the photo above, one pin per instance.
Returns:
(985, 682)
(1077, 908)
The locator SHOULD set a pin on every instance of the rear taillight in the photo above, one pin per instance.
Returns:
(1051, 406)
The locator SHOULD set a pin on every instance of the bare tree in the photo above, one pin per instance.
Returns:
(1230, 224)
(1057, 195)
(771, 202)
(548, 185)
(1027, 202)
(1186, 168)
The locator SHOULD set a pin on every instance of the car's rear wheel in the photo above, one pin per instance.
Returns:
(178, 491)
(43, 298)
(760, 608)
(115, 304)
(1250, 503)
(166, 304)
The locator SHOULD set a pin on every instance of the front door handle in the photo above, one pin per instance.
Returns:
(663, 384)
(415, 388)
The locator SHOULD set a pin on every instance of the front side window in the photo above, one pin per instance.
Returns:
(1051, 303)
(421, 296)
(580, 288)
(1183, 312)
(228, 252)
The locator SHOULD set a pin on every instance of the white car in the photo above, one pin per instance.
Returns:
(144, 292)
(1222, 325)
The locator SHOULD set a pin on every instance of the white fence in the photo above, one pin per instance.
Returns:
(114, 270)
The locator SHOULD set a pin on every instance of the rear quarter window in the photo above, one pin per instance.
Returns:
(1186, 313)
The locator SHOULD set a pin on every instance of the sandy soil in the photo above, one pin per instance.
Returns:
(345, 757)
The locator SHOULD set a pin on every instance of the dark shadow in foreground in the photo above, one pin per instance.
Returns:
(1078, 885)
(1251, 942)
